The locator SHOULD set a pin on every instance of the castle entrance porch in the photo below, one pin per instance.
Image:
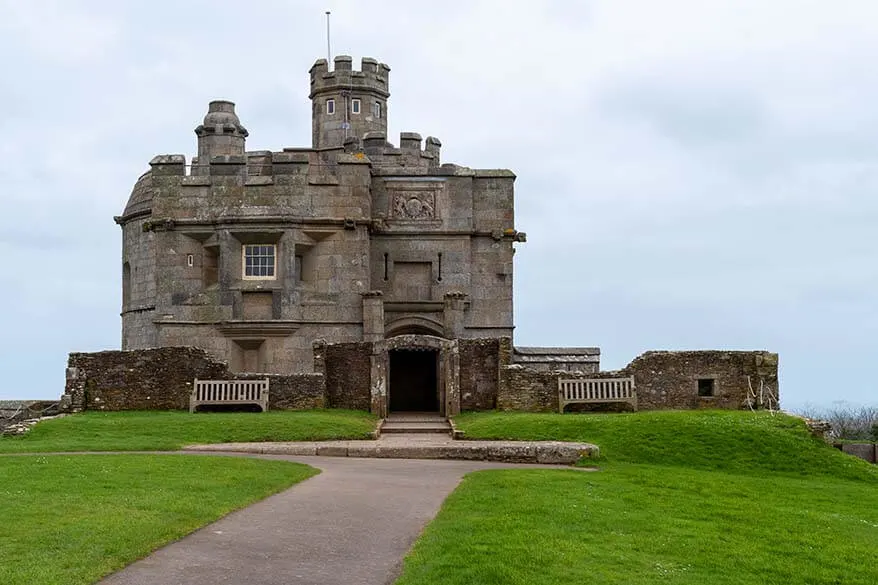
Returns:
(414, 380)
(415, 373)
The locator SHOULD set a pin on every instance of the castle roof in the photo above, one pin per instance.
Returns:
(141, 196)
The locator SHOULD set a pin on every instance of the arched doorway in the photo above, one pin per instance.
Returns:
(413, 325)
(421, 375)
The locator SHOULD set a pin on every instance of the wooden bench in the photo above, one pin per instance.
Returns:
(596, 391)
(223, 392)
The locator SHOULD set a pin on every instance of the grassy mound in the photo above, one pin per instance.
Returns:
(70, 520)
(732, 441)
(726, 498)
(170, 430)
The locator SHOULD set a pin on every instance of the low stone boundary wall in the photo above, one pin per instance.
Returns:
(866, 451)
(663, 380)
(705, 379)
(527, 389)
(292, 391)
(162, 378)
(347, 368)
(479, 360)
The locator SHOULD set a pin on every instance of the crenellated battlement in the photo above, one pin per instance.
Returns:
(256, 167)
(372, 76)
(409, 154)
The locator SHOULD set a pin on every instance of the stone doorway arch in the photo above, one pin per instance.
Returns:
(414, 325)
(438, 356)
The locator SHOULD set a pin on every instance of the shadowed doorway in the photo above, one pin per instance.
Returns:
(414, 381)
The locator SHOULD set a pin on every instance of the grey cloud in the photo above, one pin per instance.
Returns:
(681, 186)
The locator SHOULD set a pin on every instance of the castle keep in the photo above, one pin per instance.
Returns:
(355, 273)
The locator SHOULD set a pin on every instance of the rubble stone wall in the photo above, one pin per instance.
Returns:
(162, 378)
(479, 376)
(670, 379)
(663, 380)
(348, 374)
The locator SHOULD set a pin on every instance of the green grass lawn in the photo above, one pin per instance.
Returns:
(682, 497)
(723, 440)
(170, 430)
(71, 519)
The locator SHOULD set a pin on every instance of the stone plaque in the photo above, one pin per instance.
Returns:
(413, 205)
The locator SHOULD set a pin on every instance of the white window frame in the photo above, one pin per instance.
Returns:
(247, 247)
(355, 105)
(330, 107)
(376, 110)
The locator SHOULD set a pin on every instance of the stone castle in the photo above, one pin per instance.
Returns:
(355, 272)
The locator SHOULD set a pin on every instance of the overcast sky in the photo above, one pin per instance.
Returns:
(691, 174)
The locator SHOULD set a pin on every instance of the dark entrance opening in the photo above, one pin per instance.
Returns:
(414, 381)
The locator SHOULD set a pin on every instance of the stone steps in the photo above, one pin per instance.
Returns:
(415, 423)
(416, 428)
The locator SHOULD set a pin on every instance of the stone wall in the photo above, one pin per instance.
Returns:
(161, 379)
(528, 389)
(479, 378)
(292, 391)
(663, 379)
(670, 379)
(570, 359)
(865, 451)
(348, 370)
(157, 379)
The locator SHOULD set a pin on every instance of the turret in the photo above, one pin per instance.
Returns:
(348, 103)
(221, 133)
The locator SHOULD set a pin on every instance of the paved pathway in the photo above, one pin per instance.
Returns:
(351, 525)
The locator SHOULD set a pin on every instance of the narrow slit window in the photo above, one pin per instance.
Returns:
(376, 110)
(355, 106)
(190, 260)
(439, 275)
(260, 261)
(298, 267)
(330, 107)
(385, 265)
(126, 285)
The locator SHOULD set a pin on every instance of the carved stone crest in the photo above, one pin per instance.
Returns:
(412, 205)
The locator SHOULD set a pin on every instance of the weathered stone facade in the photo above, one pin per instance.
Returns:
(353, 273)
(253, 255)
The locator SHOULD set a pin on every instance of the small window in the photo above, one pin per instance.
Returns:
(298, 267)
(376, 110)
(190, 260)
(355, 106)
(260, 261)
(705, 387)
(330, 107)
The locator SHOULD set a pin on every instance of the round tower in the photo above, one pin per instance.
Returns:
(348, 103)
(221, 133)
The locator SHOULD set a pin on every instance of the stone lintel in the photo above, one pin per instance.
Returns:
(415, 307)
